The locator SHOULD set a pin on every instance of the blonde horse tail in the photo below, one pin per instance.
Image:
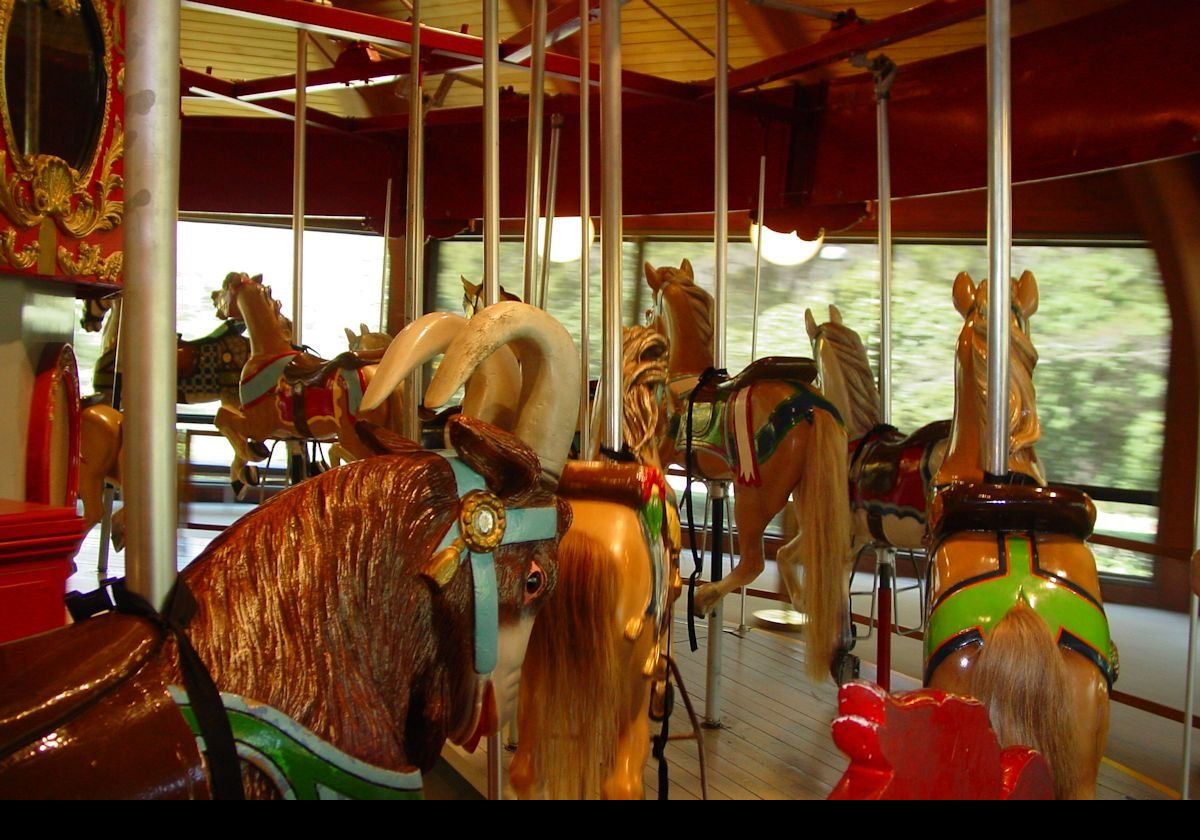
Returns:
(1021, 678)
(823, 511)
(569, 717)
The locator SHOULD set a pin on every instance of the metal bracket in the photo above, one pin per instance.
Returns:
(882, 68)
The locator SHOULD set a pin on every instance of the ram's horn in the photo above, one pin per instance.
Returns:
(491, 395)
(549, 402)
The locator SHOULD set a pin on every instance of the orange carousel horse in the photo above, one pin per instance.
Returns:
(775, 435)
(1016, 617)
(596, 666)
(889, 471)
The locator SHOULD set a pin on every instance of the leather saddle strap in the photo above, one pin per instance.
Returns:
(690, 467)
(224, 767)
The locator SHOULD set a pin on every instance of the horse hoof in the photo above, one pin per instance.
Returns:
(251, 475)
(258, 451)
(315, 468)
(845, 667)
(706, 599)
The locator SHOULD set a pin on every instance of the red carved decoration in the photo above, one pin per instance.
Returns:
(928, 745)
(57, 373)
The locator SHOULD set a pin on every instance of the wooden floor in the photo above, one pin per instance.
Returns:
(775, 740)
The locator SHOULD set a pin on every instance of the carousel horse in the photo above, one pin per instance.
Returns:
(889, 471)
(1016, 618)
(366, 342)
(285, 393)
(594, 678)
(775, 435)
(319, 698)
(473, 296)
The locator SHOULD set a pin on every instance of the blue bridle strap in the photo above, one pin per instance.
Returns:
(522, 525)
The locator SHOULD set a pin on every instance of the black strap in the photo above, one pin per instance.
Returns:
(224, 768)
(690, 470)
(662, 738)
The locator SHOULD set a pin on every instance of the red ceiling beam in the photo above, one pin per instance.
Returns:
(343, 23)
(192, 83)
(559, 16)
(842, 43)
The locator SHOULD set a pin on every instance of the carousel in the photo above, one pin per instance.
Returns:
(497, 559)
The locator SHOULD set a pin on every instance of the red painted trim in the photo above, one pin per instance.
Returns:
(57, 370)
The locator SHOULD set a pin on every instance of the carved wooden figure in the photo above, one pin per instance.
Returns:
(1016, 617)
(775, 435)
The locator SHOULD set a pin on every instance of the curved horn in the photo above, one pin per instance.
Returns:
(549, 372)
(416, 344)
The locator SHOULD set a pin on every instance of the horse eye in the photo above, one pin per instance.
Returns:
(535, 581)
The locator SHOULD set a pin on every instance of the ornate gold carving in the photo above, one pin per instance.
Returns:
(44, 186)
(89, 263)
(482, 521)
(23, 258)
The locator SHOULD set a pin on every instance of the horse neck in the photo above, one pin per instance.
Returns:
(835, 387)
(263, 328)
(691, 355)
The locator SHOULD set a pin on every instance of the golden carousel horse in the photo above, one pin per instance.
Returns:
(889, 471)
(775, 435)
(595, 670)
(1016, 617)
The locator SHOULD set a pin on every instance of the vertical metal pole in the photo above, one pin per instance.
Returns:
(885, 248)
(995, 456)
(533, 166)
(762, 201)
(414, 231)
(610, 218)
(299, 157)
(152, 174)
(716, 620)
(556, 124)
(585, 210)
(885, 567)
(491, 151)
(386, 281)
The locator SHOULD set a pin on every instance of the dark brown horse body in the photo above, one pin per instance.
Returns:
(320, 605)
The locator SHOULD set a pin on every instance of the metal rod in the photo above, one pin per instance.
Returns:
(883, 150)
(1189, 702)
(414, 232)
(556, 124)
(716, 619)
(995, 460)
(491, 151)
(533, 166)
(152, 174)
(585, 210)
(610, 218)
(679, 26)
(386, 281)
(721, 186)
(786, 6)
(299, 156)
(762, 201)
(495, 770)
(885, 569)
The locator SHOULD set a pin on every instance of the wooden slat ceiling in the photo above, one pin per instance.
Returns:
(236, 49)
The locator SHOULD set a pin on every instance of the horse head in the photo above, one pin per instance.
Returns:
(94, 311)
(473, 297)
(225, 299)
(366, 340)
(645, 354)
(683, 312)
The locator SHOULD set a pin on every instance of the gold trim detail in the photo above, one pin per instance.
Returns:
(45, 186)
(482, 521)
(107, 269)
(66, 8)
(23, 258)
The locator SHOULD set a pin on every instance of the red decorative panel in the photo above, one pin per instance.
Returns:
(63, 140)
(37, 543)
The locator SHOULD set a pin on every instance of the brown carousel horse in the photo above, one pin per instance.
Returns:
(889, 471)
(352, 624)
(285, 393)
(596, 665)
(775, 435)
(1016, 617)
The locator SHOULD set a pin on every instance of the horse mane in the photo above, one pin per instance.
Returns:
(1023, 426)
(644, 354)
(851, 356)
(700, 303)
(314, 605)
(572, 654)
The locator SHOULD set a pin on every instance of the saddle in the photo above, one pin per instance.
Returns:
(305, 371)
(882, 450)
(50, 678)
(1012, 507)
(786, 368)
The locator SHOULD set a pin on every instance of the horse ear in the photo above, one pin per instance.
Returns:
(686, 268)
(964, 293)
(257, 278)
(1027, 294)
(508, 467)
(835, 314)
(652, 276)
(469, 288)
(383, 441)
(350, 336)
(811, 324)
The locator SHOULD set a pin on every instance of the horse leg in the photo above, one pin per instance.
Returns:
(233, 424)
(751, 515)
(633, 745)
(1089, 699)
